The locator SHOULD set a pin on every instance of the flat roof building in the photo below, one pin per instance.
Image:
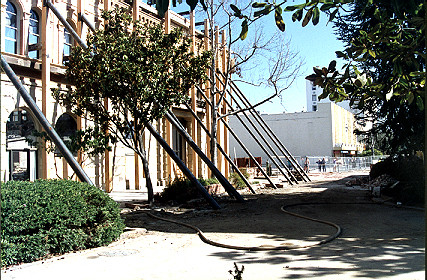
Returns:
(328, 131)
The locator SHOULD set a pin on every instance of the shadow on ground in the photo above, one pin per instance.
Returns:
(377, 240)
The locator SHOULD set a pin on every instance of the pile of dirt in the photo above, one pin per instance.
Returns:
(384, 180)
(401, 178)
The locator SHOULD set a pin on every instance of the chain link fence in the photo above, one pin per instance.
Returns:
(337, 164)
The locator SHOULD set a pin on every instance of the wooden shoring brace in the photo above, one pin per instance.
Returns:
(240, 143)
(264, 139)
(224, 182)
(224, 153)
(270, 132)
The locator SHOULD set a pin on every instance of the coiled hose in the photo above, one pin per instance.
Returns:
(264, 247)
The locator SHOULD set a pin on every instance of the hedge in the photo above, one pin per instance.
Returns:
(49, 217)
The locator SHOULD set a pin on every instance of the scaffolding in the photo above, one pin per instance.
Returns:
(145, 13)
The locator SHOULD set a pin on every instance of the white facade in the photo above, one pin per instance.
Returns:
(325, 132)
(312, 94)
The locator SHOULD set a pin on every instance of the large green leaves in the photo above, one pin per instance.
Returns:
(245, 29)
(162, 6)
(279, 20)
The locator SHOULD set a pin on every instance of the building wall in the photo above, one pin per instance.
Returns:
(124, 166)
(312, 94)
(344, 124)
(304, 133)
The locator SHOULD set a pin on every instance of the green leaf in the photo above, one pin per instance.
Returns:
(236, 10)
(372, 53)
(279, 20)
(333, 14)
(356, 70)
(245, 30)
(416, 74)
(162, 6)
(307, 17)
(316, 15)
(258, 5)
(410, 97)
(264, 11)
(332, 66)
(420, 103)
(317, 71)
(297, 15)
(341, 54)
(192, 4)
(326, 7)
(294, 7)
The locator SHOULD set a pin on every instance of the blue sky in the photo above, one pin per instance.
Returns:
(316, 46)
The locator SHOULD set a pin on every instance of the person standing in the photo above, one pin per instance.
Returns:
(306, 165)
(323, 163)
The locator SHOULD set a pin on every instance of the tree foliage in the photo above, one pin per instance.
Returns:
(139, 69)
(384, 72)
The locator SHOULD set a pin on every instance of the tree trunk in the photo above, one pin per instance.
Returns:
(147, 177)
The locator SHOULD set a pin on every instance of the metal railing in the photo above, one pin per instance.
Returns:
(340, 164)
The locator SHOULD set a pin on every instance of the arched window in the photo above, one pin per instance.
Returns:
(33, 34)
(11, 25)
(68, 43)
(66, 127)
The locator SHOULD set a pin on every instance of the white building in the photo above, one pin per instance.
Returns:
(313, 92)
(325, 132)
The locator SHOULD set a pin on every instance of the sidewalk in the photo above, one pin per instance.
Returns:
(370, 247)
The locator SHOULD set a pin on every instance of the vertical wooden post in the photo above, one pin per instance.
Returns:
(135, 17)
(45, 40)
(25, 25)
(224, 70)
(80, 10)
(193, 98)
(168, 124)
(207, 93)
(108, 187)
(218, 85)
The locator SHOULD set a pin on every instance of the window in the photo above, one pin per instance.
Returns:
(178, 143)
(68, 43)
(313, 87)
(314, 107)
(314, 97)
(66, 127)
(19, 125)
(11, 34)
(33, 34)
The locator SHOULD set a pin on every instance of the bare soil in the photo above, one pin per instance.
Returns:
(378, 241)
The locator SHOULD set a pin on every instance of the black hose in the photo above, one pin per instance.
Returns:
(264, 247)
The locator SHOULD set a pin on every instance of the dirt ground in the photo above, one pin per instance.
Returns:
(378, 241)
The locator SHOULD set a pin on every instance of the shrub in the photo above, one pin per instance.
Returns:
(237, 181)
(209, 181)
(48, 217)
(180, 190)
